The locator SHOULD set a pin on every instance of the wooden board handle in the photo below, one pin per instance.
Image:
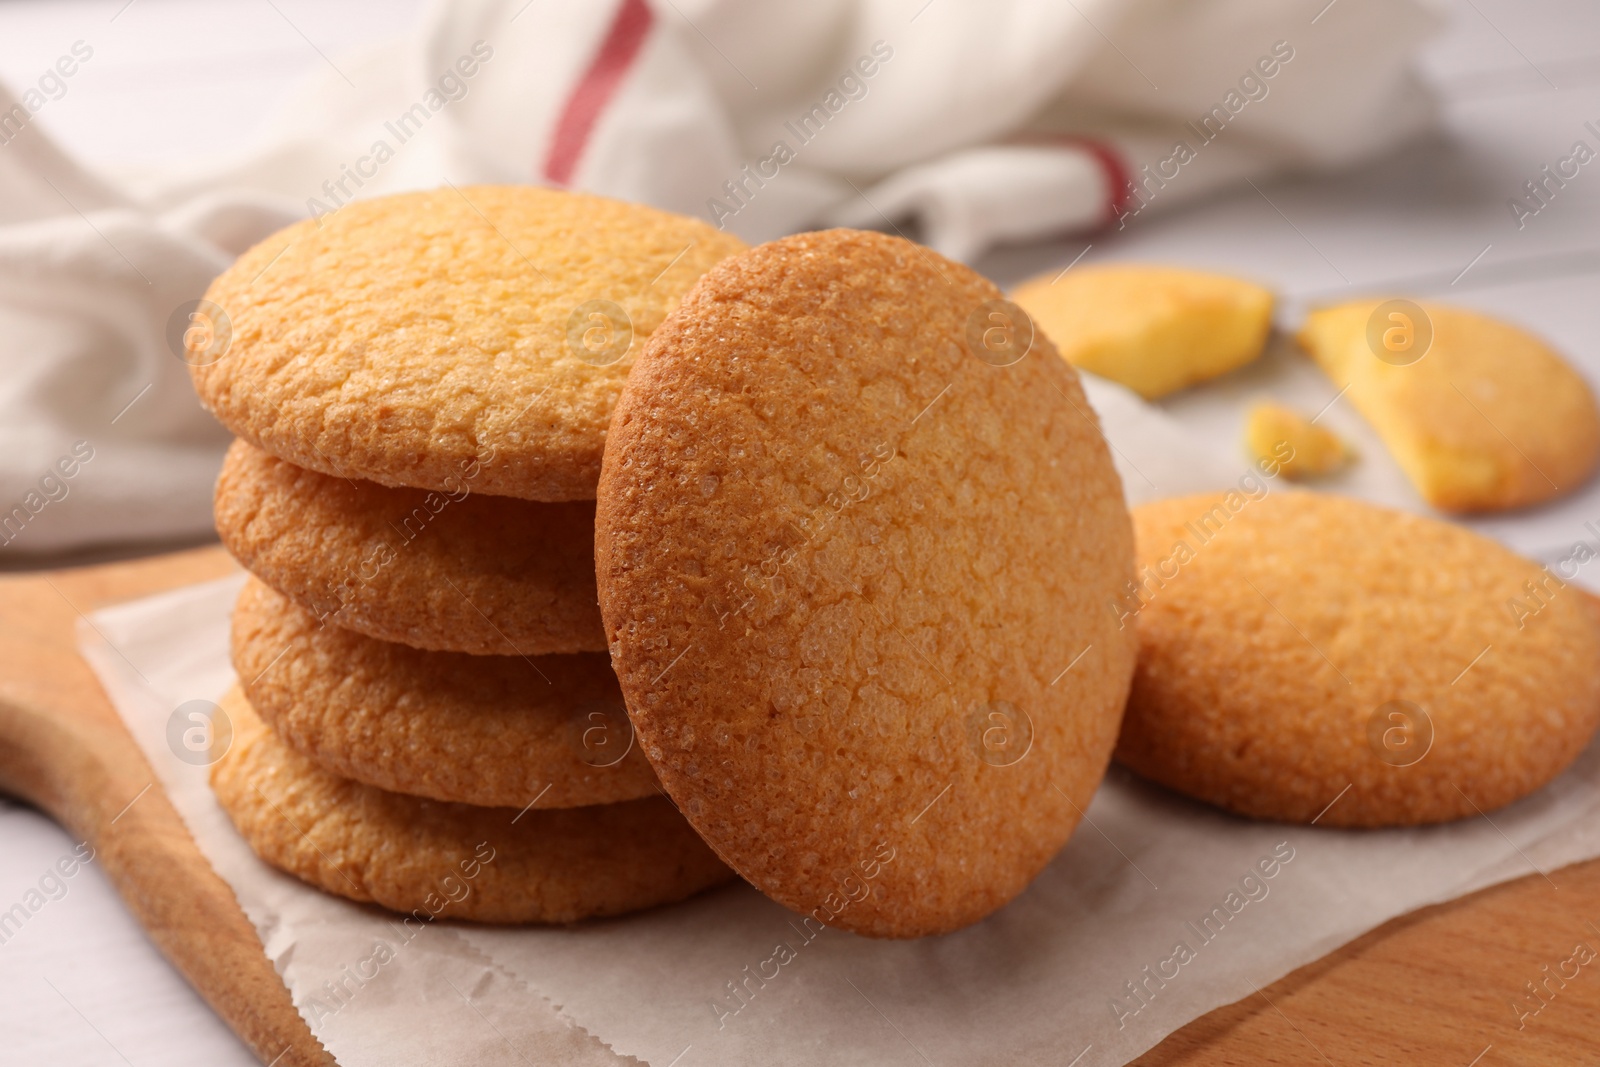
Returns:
(64, 750)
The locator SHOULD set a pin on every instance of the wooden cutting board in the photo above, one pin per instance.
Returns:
(1441, 986)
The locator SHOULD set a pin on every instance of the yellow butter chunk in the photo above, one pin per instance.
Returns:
(1297, 447)
(1153, 329)
(1480, 415)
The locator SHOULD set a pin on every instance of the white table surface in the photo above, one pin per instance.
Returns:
(80, 983)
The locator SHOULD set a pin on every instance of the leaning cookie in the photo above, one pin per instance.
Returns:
(540, 731)
(405, 336)
(855, 534)
(452, 570)
(437, 860)
(1307, 657)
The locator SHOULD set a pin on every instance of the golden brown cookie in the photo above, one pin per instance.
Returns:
(404, 338)
(453, 861)
(546, 731)
(450, 569)
(1481, 415)
(856, 531)
(1306, 655)
(1154, 329)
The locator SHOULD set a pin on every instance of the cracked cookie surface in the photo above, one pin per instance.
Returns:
(854, 566)
(403, 337)
(449, 570)
(1305, 653)
(513, 731)
(452, 861)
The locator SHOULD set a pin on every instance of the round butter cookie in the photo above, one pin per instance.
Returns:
(507, 731)
(1307, 657)
(856, 532)
(403, 338)
(452, 861)
(448, 569)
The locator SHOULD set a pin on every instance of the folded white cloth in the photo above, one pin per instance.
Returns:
(979, 123)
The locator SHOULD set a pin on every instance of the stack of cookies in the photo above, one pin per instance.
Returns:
(426, 716)
(858, 553)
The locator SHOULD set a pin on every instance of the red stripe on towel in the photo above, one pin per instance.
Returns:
(1119, 190)
(623, 40)
(1119, 186)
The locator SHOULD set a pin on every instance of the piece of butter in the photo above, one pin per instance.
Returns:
(1480, 414)
(1153, 329)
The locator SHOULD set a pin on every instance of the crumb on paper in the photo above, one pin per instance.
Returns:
(1300, 448)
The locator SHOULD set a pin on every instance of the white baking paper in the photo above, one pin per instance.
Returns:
(1085, 968)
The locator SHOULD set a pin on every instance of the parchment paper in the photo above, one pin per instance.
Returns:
(1158, 910)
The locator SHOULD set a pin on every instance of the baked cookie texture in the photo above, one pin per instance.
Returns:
(448, 569)
(1299, 644)
(1153, 329)
(1487, 417)
(540, 731)
(454, 861)
(854, 549)
(404, 338)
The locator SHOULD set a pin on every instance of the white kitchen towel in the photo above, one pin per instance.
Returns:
(978, 123)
